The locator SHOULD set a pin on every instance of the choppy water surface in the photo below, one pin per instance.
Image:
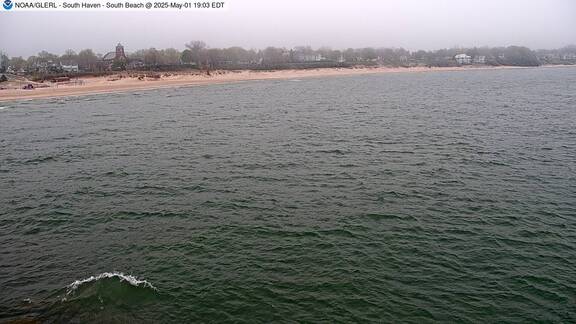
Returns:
(446, 196)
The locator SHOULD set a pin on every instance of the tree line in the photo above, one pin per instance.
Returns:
(198, 54)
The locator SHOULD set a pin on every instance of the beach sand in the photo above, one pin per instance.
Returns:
(129, 81)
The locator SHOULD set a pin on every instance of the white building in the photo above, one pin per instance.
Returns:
(70, 68)
(301, 57)
(480, 59)
(463, 59)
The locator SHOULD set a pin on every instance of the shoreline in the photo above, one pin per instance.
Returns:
(122, 82)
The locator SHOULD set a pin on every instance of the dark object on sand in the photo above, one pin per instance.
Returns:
(29, 86)
(61, 79)
(3, 78)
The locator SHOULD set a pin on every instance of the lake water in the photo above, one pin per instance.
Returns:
(416, 197)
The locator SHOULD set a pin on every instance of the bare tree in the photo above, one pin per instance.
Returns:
(18, 63)
(3, 62)
(152, 57)
(87, 60)
(69, 57)
(170, 56)
(198, 49)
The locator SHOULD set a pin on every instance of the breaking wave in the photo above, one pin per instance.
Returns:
(132, 280)
(109, 297)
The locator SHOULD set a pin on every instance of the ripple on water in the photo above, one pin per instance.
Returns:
(378, 198)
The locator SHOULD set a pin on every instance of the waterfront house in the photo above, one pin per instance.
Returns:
(463, 59)
(69, 68)
(304, 57)
(479, 59)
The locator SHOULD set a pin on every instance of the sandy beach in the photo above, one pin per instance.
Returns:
(140, 81)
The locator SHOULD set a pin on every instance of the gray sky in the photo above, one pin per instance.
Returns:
(412, 24)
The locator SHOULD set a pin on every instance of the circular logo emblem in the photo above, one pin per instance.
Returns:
(7, 4)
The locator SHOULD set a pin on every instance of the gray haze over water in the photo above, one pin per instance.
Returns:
(412, 24)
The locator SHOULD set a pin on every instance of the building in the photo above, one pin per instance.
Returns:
(463, 59)
(302, 57)
(118, 57)
(479, 59)
(69, 68)
(47, 67)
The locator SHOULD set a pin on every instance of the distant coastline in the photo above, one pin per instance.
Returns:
(137, 81)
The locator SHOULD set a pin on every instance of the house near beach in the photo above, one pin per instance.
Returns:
(479, 59)
(305, 57)
(69, 68)
(463, 59)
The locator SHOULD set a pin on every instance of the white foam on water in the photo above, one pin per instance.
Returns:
(123, 277)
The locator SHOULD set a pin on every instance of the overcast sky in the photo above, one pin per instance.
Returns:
(412, 24)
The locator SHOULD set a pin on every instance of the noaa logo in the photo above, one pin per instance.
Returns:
(7, 4)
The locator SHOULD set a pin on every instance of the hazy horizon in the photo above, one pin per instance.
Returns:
(412, 24)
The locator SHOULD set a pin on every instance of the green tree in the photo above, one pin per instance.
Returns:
(273, 55)
(519, 56)
(349, 55)
(119, 65)
(368, 54)
(152, 57)
(235, 54)
(170, 56)
(186, 56)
